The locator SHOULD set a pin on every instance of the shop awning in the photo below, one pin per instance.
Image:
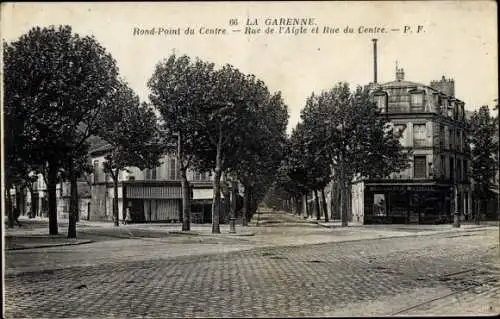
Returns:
(153, 192)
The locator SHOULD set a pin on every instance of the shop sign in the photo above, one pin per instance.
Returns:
(416, 188)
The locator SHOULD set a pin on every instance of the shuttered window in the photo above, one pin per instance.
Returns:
(419, 167)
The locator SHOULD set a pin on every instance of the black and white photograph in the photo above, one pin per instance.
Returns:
(250, 159)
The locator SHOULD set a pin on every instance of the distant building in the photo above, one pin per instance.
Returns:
(35, 201)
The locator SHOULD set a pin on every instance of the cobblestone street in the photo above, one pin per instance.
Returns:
(445, 273)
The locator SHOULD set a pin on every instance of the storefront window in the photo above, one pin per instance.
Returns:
(379, 205)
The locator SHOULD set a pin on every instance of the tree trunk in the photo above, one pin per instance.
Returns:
(8, 204)
(332, 200)
(297, 206)
(52, 198)
(73, 202)
(306, 208)
(253, 203)
(186, 201)
(32, 196)
(234, 199)
(216, 202)
(477, 217)
(343, 204)
(250, 204)
(116, 216)
(227, 201)
(216, 186)
(325, 209)
(316, 202)
(246, 200)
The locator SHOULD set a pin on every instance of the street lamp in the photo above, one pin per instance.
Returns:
(456, 213)
(232, 218)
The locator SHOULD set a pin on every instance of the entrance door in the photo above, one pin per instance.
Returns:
(414, 209)
(136, 210)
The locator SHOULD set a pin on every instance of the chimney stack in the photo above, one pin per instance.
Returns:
(374, 61)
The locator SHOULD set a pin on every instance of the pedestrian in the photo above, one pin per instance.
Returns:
(128, 217)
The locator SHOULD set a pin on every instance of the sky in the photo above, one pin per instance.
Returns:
(457, 39)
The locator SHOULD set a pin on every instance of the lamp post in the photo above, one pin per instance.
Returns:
(456, 212)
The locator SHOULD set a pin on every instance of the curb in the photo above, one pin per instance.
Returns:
(189, 232)
(211, 234)
(51, 245)
(437, 230)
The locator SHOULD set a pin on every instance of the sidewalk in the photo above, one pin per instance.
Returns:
(33, 233)
(274, 229)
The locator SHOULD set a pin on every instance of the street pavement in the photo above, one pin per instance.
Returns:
(286, 266)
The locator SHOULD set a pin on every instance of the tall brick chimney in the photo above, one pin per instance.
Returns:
(374, 61)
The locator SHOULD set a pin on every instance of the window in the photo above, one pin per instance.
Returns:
(200, 176)
(96, 171)
(148, 174)
(459, 170)
(379, 205)
(443, 166)
(172, 172)
(447, 141)
(153, 173)
(419, 167)
(452, 169)
(417, 101)
(466, 168)
(442, 136)
(381, 101)
(451, 109)
(196, 176)
(399, 132)
(419, 134)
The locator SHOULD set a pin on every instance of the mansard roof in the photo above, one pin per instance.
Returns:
(410, 84)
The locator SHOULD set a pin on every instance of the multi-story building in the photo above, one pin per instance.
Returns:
(150, 194)
(430, 122)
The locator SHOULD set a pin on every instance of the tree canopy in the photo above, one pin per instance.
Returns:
(56, 83)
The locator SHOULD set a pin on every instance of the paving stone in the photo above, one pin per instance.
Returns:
(299, 281)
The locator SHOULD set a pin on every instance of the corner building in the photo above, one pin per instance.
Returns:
(430, 122)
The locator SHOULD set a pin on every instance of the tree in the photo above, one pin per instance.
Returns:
(77, 165)
(314, 154)
(258, 163)
(357, 139)
(57, 82)
(132, 133)
(178, 90)
(484, 147)
(228, 108)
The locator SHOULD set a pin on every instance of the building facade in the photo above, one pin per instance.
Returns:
(33, 200)
(150, 195)
(430, 122)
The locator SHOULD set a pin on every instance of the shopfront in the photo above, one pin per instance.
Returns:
(409, 204)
